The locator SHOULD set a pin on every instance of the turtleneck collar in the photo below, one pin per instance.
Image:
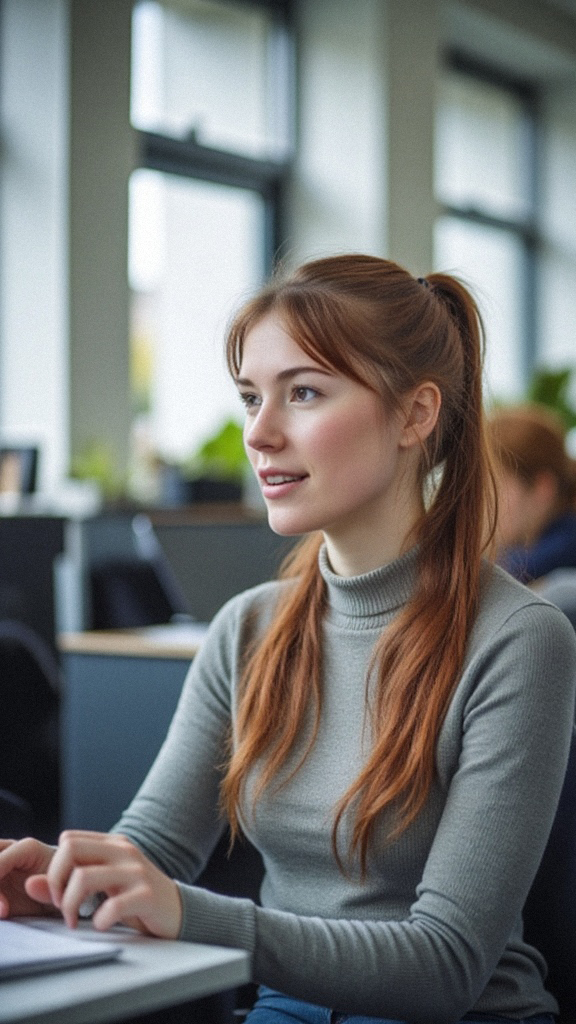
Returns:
(372, 594)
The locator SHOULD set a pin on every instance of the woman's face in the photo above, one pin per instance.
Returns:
(327, 454)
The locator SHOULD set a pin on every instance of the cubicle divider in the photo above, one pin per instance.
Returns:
(215, 558)
(197, 558)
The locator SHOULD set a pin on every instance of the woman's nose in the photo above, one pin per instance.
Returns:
(264, 430)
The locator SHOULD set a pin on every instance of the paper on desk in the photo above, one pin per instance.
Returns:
(25, 949)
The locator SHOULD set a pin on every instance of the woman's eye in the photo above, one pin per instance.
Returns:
(304, 394)
(249, 400)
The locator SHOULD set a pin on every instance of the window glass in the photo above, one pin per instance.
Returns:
(481, 147)
(210, 71)
(490, 262)
(195, 252)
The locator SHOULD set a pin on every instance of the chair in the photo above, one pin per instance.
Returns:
(126, 594)
(29, 711)
(16, 816)
(550, 910)
(135, 586)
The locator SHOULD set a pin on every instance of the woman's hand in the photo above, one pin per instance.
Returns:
(136, 893)
(19, 859)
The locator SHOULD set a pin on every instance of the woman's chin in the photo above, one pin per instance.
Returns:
(288, 526)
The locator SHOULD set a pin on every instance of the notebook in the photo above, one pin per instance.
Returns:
(25, 949)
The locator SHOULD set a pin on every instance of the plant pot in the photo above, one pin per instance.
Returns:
(176, 490)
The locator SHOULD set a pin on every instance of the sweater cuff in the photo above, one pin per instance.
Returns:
(219, 920)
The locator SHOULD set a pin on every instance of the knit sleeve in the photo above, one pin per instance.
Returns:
(174, 816)
(515, 717)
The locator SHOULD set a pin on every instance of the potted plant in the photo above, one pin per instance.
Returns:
(214, 472)
(551, 388)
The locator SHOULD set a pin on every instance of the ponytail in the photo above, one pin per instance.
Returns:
(370, 319)
(418, 660)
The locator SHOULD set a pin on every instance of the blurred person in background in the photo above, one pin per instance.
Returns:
(536, 492)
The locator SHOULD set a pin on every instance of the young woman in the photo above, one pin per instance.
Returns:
(537, 489)
(390, 723)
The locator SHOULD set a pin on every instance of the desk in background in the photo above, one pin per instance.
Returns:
(120, 692)
(151, 974)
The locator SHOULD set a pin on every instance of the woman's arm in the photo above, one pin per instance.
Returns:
(174, 818)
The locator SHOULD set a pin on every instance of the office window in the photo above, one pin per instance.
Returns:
(485, 174)
(196, 252)
(212, 71)
(210, 101)
(491, 261)
(481, 147)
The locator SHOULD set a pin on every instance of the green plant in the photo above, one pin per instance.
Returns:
(95, 462)
(221, 457)
(551, 388)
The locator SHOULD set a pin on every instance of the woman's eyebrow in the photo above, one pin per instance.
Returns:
(291, 371)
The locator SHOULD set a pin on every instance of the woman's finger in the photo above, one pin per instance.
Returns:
(83, 833)
(85, 883)
(76, 849)
(129, 907)
(26, 855)
(37, 888)
(152, 904)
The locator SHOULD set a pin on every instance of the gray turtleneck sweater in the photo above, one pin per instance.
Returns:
(435, 930)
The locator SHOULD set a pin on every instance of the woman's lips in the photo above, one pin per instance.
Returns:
(275, 484)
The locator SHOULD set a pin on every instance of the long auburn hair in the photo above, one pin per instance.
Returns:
(371, 320)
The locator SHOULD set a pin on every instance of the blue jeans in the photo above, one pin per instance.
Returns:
(274, 1008)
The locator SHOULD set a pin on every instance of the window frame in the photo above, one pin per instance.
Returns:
(188, 158)
(525, 229)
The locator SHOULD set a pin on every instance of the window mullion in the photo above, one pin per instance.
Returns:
(191, 160)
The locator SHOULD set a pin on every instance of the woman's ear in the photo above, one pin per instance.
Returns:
(421, 410)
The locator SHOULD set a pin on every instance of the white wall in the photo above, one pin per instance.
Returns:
(364, 172)
(33, 224)
(66, 159)
(338, 196)
(101, 160)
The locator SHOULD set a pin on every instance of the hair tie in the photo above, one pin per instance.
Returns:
(422, 280)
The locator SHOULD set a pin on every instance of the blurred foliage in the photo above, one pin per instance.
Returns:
(141, 373)
(221, 457)
(551, 388)
(96, 462)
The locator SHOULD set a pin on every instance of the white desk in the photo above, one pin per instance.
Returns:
(174, 640)
(149, 975)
